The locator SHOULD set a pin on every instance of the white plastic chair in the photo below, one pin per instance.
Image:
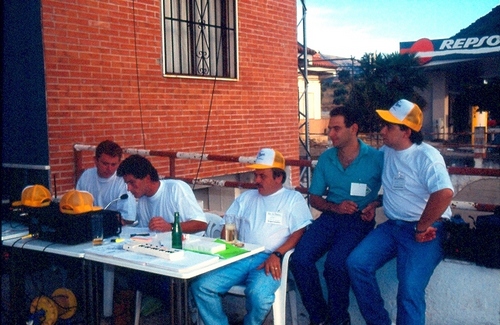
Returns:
(214, 225)
(279, 305)
(214, 230)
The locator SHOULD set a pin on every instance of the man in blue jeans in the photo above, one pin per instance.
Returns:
(275, 217)
(350, 174)
(417, 195)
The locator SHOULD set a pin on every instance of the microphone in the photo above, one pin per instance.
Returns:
(122, 197)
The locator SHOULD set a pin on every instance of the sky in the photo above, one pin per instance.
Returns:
(348, 28)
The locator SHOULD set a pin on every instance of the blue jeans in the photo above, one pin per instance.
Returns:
(259, 292)
(415, 264)
(335, 235)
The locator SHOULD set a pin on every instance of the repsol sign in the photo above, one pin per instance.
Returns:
(453, 48)
(471, 42)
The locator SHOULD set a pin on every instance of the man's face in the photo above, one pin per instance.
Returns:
(137, 186)
(393, 136)
(106, 165)
(339, 134)
(266, 184)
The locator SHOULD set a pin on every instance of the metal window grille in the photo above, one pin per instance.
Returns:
(199, 38)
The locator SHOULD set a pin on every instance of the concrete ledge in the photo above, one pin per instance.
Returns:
(459, 293)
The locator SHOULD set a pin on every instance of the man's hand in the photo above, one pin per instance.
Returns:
(272, 266)
(159, 224)
(346, 207)
(368, 213)
(428, 235)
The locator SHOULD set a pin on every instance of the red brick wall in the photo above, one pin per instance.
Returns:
(103, 83)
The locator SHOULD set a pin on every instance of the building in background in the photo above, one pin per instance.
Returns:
(464, 72)
(86, 71)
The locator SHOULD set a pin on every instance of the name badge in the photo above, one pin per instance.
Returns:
(358, 189)
(398, 182)
(275, 218)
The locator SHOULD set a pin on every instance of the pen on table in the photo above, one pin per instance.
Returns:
(142, 234)
(117, 240)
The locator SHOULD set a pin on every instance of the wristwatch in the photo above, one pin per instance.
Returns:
(278, 254)
(419, 231)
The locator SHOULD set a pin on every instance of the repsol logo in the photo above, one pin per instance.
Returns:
(470, 42)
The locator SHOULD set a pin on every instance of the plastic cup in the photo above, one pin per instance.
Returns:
(230, 231)
(97, 229)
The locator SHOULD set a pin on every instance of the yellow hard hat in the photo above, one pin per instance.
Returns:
(35, 196)
(76, 202)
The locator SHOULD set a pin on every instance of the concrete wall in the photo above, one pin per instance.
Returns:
(436, 113)
(313, 96)
(458, 294)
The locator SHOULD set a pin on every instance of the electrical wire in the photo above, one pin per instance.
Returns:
(137, 77)
(209, 112)
(47, 246)
(211, 96)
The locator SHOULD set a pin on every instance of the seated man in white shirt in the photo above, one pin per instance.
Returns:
(106, 187)
(103, 183)
(276, 218)
(158, 200)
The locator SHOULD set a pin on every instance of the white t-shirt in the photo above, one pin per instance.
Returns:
(270, 220)
(172, 196)
(106, 190)
(410, 176)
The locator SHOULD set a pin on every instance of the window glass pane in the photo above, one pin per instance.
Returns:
(200, 38)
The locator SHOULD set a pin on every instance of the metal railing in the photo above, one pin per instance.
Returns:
(173, 156)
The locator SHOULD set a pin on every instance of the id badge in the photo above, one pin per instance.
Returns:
(358, 189)
(398, 183)
(275, 218)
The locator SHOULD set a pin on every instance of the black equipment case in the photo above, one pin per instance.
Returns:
(49, 223)
(479, 244)
(488, 240)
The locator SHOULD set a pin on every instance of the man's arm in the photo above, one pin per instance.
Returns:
(188, 227)
(436, 205)
(321, 204)
(273, 264)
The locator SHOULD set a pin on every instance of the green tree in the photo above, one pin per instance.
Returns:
(384, 79)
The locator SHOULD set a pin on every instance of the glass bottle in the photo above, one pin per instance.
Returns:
(176, 232)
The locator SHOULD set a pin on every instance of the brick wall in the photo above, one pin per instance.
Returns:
(104, 81)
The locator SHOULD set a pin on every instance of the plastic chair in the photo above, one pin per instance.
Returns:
(214, 225)
(214, 229)
(279, 305)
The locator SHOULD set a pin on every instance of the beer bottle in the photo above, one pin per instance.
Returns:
(176, 232)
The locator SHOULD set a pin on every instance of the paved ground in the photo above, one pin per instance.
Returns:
(235, 309)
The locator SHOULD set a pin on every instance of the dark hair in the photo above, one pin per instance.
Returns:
(109, 148)
(415, 136)
(351, 116)
(277, 172)
(139, 167)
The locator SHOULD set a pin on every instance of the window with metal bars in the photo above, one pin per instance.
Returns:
(199, 38)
